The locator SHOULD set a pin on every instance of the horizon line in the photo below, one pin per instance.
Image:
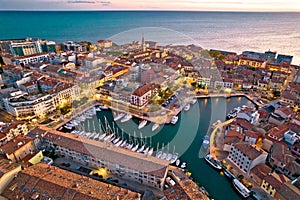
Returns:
(149, 10)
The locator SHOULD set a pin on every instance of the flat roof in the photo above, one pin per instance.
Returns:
(103, 151)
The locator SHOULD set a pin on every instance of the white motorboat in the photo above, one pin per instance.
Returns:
(123, 143)
(242, 189)
(98, 109)
(102, 107)
(213, 162)
(183, 165)
(194, 101)
(174, 119)
(187, 107)
(116, 140)
(126, 118)
(205, 143)
(142, 124)
(155, 126)
(119, 116)
(146, 150)
(101, 137)
(177, 162)
(108, 137)
(129, 146)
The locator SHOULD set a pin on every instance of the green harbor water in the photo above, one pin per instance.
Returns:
(185, 138)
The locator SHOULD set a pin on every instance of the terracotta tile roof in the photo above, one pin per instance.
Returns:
(231, 140)
(263, 114)
(15, 144)
(286, 110)
(289, 191)
(253, 134)
(282, 153)
(51, 182)
(144, 89)
(261, 170)
(278, 131)
(248, 150)
(6, 166)
(273, 181)
(235, 134)
(191, 189)
(133, 160)
(244, 123)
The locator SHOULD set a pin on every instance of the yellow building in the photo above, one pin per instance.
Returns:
(273, 182)
(8, 170)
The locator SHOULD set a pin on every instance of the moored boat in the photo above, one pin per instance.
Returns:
(150, 152)
(194, 101)
(177, 162)
(155, 126)
(187, 107)
(126, 118)
(135, 148)
(183, 165)
(119, 116)
(213, 162)
(102, 107)
(174, 158)
(142, 124)
(243, 190)
(205, 142)
(174, 119)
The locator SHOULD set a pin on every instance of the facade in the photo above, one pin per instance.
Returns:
(13, 130)
(31, 59)
(18, 148)
(25, 48)
(270, 185)
(105, 43)
(251, 116)
(246, 156)
(8, 171)
(259, 172)
(55, 183)
(141, 96)
(130, 165)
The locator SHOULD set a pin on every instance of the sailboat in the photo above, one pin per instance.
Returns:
(119, 116)
(142, 124)
(159, 153)
(126, 118)
(155, 126)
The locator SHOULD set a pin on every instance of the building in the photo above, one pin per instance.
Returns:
(12, 130)
(291, 137)
(259, 172)
(288, 191)
(141, 96)
(105, 43)
(16, 149)
(285, 112)
(252, 136)
(72, 46)
(272, 183)
(252, 116)
(245, 156)
(31, 59)
(130, 165)
(277, 132)
(25, 48)
(8, 171)
(41, 181)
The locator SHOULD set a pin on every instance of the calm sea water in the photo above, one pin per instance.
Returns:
(221, 30)
(187, 136)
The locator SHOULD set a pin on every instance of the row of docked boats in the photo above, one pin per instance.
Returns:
(234, 112)
(80, 118)
(165, 154)
(241, 188)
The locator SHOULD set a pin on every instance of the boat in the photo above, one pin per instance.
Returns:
(158, 154)
(194, 101)
(164, 154)
(129, 146)
(115, 141)
(183, 165)
(142, 124)
(187, 107)
(140, 150)
(150, 152)
(174, 119)
(108, 137)
(243, 190)
(102, 107)
(174, 158)
(126, 118)
(228, 174)
(119, 116)
(213, 162)
(155, 126)
(98, 109)
(123, 143)
(135, 148)
(205, 142)
(177, 162)
(146, 150)
(169, 157)
(119, 143)
(101, 137)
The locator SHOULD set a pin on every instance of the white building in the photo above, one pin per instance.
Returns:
(204, 81)
(25, 60)
(246, 156)
(251, 116)
(141, 96)
(291, 137)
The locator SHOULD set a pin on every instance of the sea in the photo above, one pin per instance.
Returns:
(230, 31)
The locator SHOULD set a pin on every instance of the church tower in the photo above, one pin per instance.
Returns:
(143, 44)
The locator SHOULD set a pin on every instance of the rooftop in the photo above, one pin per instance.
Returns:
(100, 150)
(6, 166)
(47, 182)
(15, 144)
(247, 149)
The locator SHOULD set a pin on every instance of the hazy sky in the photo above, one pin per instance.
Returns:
(217, 5)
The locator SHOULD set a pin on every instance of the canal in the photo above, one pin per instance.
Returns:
(184, 138)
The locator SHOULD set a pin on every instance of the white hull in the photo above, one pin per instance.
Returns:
(174, 119)
(142, 124)
(155, 126)
(187, 107)
(126, 118)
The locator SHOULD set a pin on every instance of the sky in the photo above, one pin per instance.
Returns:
(201, 5)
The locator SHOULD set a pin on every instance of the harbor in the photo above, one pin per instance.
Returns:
(168, 139)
